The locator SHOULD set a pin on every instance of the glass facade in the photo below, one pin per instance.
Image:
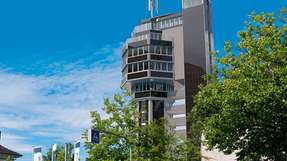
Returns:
(153, 49)
(147, 85)
(150, 65)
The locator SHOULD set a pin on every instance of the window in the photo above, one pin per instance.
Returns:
(144, 86)
(135, 52)
(175, 21)
(140, 66)
(171, 22)
(148, 86)
(164, 66)
(141, 86)
(161, 24)
(164, 50)
(166, 23)
(146, 65)
(152, 65)
(164, 87)
(130, 68)
(130, 52)
(157, 66)
(158, 50)
(169, 67)
(152, 85)
(135, 67)
(169, 51)
(152, 49)
(146, 49)
(137, 87)
(180, 20)
(141, 51)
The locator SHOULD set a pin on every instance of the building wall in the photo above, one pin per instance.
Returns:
(3, 157)
(175, 35)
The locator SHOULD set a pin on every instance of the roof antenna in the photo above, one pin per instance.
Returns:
(152, 4)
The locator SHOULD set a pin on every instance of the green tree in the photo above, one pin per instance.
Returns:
(243, 109)
(60, 153)
(121, 131)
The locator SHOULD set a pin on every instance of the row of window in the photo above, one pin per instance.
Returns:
(158, 25)
(164, 50)
(152, 86)
(152, 65)
(153, 36)
(168, 23)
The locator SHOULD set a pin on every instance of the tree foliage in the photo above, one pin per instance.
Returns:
(243, 109)
(121, 131)
(9, 158)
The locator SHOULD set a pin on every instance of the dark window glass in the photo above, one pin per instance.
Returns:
(157, 66)
(141, 87)
(137, 88)
(164, 87)
(130, 52)
(140, 66)
(169, 67)
(135, 52)
(130, 68)
(148, 86)
(157, 50)
(144, 86)
(164, 50)
(169, 51)
(135, 67)
(146, 49)
(152, 86)
(152, 49)
(151, 65)
(164, 66)
(146, 65)
(141, 51)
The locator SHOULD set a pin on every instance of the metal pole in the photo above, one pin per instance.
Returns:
(52, 155)
(131, 154)
(66, 147)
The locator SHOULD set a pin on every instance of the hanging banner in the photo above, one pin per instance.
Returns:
(37, 154)
(77, 151)
(94, 136)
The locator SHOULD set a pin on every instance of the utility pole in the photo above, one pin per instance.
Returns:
(66, 149)
(52, 156)
(131, 155)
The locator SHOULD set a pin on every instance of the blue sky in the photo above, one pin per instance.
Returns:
(59, 58)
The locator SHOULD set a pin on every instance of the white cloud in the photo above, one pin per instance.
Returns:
(16, 143)
(57, 104)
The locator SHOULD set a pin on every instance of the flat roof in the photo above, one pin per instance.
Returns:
(160, 18)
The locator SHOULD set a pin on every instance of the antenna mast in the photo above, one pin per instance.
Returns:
(152, 5)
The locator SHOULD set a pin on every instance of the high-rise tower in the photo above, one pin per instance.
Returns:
(164, 62)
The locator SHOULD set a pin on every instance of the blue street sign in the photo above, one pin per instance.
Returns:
(94, 136)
